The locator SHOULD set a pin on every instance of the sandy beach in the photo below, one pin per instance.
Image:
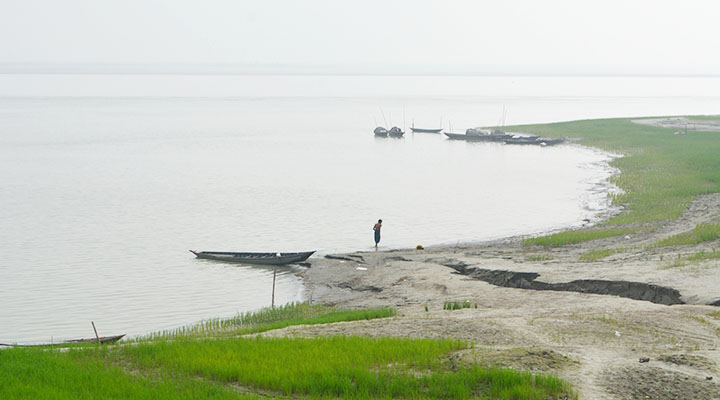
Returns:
(625, 344)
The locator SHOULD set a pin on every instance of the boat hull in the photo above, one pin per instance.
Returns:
(475, 138)
(421, 130)
(254, 258)
(102, 339)
(538, 141)
(507, 139)
(380, 132)
(550, 142)
(395, 132)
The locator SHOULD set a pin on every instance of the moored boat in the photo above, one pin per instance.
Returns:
(478, 135)
(492, 136)
(380, 131)
(455, 136)
(474, 138)
(521, 140)
(395, 132)
(550, 141)
(254, 258)
(535, 140)
(425, 130)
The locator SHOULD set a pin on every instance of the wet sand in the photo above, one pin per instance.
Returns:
(596, 341)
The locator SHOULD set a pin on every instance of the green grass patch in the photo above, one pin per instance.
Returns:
(701, 233)
(456, 305)
(346, 367)
(608, 319)
(273, 318)
(661, 173)
(596, 254)
(201, 362)
(704, 255)
(539, 257)
(578, 236)
(694, 258)
(33, 373)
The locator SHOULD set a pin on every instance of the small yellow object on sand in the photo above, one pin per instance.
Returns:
(419, 247)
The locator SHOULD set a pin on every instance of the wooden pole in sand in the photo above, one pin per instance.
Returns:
(96, 335)
(272, 304)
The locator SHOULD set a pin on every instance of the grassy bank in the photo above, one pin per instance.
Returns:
(272, 318)
(661, 173)
(33, 373)
(204, 361)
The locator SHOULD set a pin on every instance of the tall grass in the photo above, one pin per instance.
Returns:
(337, 367)
(539, 257)
(701, 233)
(273, 318)
(596, 254)
(661, 173)
(578, 236)
(33, 373)
(346, 367)
(704, 255)
(180, 366)
(696, 257)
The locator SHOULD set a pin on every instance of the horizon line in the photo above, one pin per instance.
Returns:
(94, 68)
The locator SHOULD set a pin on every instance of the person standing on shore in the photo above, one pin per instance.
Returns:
(376, 228)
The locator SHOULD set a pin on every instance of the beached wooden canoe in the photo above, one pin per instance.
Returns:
(522, 140)
(103, 339)
(539, 141)
(550, 141)
(254, 258)
(473, 138)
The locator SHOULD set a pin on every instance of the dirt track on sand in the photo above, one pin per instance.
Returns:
(593, 340)
(682, 124)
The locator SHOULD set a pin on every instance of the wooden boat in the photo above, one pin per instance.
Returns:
(550, 141)
(539, 141)
(254, 258)
(380, 131)
(395, 132)
(522, 140)
(474, 138)
(102, 339)
(425, 130)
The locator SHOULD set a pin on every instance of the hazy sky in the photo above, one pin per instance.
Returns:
(631, 35)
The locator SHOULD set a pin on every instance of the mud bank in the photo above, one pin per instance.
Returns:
(527, 280)
(533, 303)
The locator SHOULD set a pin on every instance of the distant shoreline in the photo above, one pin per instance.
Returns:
(49, 68)
(601, 299)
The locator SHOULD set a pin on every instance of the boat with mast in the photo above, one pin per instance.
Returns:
(395, 132)
(380, 132)
(426, 130)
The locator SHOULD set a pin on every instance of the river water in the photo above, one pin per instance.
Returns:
(108, 180)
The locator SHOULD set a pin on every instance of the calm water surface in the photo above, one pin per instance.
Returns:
(107, 181)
